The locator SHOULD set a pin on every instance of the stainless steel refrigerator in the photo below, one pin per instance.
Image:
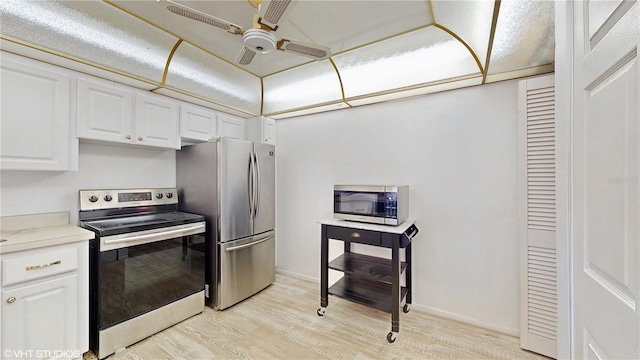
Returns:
(232, 183)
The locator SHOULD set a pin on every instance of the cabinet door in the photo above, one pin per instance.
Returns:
(197, 123)
(232, 127)
(261, 130)
(41, 316)
(104, 112)
(35, 116)
(268, 131)
(156, 122)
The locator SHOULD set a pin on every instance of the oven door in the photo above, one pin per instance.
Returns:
(140, 272)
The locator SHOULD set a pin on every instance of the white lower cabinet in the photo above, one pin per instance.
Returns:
(45, 302)
(36, 117)
(123, 115)
(232, 126)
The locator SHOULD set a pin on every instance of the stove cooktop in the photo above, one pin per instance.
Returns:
(128, 224)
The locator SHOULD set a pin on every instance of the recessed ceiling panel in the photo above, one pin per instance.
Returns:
(416, 58)
(524, 36)
(346, 24)
(92, 31)
(307, 85)
(470, 20)
(197, 72)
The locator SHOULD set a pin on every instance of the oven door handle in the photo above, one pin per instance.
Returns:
(161, 235)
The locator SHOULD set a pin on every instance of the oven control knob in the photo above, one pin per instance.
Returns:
(93, 198)
(169, 195)
(108, 198)
(159, 195)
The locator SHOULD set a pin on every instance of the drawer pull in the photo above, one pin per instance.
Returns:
(355, 234)
(35, 267)
(11, 300)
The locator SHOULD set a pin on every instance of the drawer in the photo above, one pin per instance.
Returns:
(40, 263)
(354, 235)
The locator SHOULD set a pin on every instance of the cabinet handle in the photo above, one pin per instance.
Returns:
(139, 138)
(11, 300)
(355, 234)
(35, 267)
(128, 137)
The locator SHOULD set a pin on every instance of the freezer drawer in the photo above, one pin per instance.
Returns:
(246, 266)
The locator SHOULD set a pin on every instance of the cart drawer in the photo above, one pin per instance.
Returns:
(354, 235)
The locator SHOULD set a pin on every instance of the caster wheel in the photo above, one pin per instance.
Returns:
(406, 308)
(320, 311)
(391, 337)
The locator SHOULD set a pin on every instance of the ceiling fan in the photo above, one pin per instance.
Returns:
(260, 38)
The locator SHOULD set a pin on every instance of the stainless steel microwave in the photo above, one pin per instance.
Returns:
(388, 205)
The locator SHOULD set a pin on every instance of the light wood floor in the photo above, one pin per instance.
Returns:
(281, 323)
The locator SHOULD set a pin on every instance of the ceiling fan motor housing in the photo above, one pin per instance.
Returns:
(259, 40)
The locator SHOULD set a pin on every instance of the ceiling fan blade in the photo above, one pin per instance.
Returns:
(271, 12)
(313, 51)
(197, 15)
(245, 56)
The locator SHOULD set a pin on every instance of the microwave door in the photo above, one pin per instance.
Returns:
(360, 206)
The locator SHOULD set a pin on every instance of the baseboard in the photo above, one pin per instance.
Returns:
(426, 309)
(466, 320)
(297, 276)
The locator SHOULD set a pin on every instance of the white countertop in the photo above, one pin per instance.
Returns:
(25, 232)
(399, 229)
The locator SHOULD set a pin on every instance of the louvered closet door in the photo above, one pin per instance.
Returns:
(537, 202)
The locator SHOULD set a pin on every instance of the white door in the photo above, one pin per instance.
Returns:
(606, 172)
(537, 201)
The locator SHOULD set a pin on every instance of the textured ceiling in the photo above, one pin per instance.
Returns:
(381, 50)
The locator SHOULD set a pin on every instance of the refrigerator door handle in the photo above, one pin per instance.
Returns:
(244, 246)
(250, 185)
(258, 185)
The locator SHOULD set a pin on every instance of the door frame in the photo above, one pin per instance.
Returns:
(564, 55)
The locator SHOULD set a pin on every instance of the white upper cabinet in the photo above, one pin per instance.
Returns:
(261, 129)
(232, 126)
(104, 111)
(119, 114)
(197, 124)
(156, 122)
(36, 117)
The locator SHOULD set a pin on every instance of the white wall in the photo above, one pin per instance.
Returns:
(100, 167)
(457, 152)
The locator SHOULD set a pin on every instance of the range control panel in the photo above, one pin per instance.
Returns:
(119, 198)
